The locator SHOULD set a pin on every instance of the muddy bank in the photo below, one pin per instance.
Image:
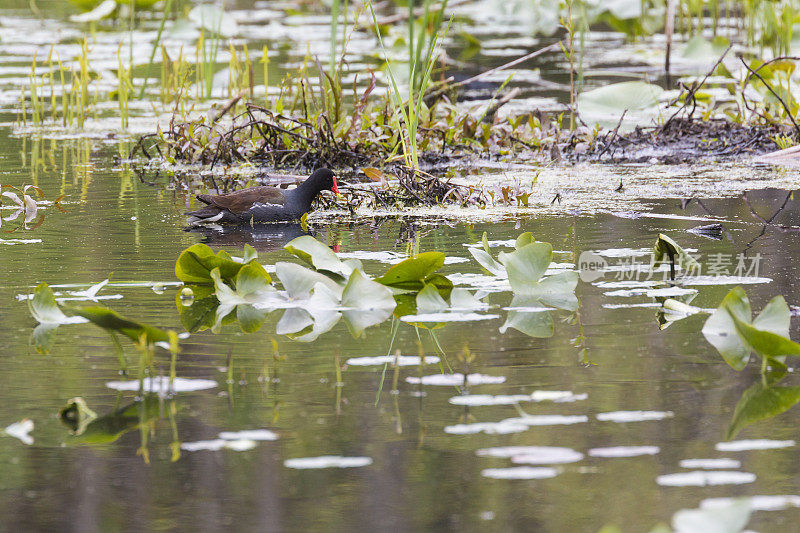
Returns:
(681, 141)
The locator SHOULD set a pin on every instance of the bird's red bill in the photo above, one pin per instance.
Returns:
(335, 188)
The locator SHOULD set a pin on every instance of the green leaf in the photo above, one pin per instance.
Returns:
(615, 98)
(430, 301)
(195, 264)
(318, 255)
(557, 290)
(43, 337)
(534, 323)
(488, 262)
(442, 284)
(765, 343)
(775, 317)
(524, 239)
(252, 281)
(666, 250)
(113, 321)
(298, 280)
(720, 330)
(45, 309)
(250, 254)
(411, 273)
(365, 302)
(250, 319)
(526, 266)
(463, 299)
(198, 316)
(759, 403)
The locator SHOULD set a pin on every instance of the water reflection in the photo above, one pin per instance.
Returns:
(262, 237)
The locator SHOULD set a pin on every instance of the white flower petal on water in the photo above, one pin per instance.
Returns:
(249, 434)
(162, 384)
(327, 461)
(520, 472)
(774, 502)
(634, 416)
(755, 444)
(403, 360)
(703, 478)
(558, 396)
(238, 445)
(20, 430)
(624, 451)
(451, 380)
(533, 454)
(722, 462)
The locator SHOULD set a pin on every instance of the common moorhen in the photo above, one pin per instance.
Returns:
(264, 204)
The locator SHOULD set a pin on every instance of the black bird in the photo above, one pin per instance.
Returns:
(264, 204)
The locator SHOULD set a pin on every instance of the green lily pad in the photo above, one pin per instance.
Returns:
(761, 402)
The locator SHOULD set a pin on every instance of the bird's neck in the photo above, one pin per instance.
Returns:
(306, 192)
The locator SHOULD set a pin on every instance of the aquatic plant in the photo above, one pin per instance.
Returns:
(44, 308)
(316, 298)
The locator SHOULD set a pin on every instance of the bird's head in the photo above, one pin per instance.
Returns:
(327, 179)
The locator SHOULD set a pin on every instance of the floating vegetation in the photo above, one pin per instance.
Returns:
(20, 430)
(327, 461)
(315, 299)
(702, 478)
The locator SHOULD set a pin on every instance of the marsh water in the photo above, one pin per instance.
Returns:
(615, 405)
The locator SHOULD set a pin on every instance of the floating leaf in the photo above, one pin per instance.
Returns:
(114, 322)
(728, 519)
(365, 303)
(557, 290)
(410, 274)
(527, 265)
(251, 286)
(299, 280)
(462, 299)
(720, 329)
(195, 264)
(110, 427)
(430, 301)
(535, 322)
(318, 255)
(45, 310)
(760, 402)
(77, 415)
(214, 19)
(613, 99)
(488, 262)
(668, 251)
(524, 239)
(765, 343)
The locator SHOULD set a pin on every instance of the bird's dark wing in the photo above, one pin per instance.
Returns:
(240, 201)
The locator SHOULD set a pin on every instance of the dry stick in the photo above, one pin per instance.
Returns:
(669, 28)
(517, 61)
(510, 64)
(488, 115)
(613, 136)
(767, 85)
(696, 88)
(769, 221)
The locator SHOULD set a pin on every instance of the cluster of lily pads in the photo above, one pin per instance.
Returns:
(317, 295)
(221, 289)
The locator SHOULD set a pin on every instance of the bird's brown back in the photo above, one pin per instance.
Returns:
(240, 201)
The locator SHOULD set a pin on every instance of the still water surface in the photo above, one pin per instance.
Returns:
(422, 466)
(610, 408)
